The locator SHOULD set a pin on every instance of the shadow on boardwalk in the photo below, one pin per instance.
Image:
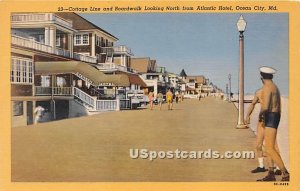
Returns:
(96, 148)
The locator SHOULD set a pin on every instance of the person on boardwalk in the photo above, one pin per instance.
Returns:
(270, 114)
(259, 135)
(151, 97)
(169, 96)
(177, 97)
(160, 99)
(38, 112)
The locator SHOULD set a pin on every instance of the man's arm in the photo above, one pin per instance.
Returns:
(251, 108)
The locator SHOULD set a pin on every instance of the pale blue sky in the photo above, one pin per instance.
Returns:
(205, 44)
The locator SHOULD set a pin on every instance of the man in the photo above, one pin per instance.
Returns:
(151, 97)
(169, 96)
(270, 115)
(160, 99)
(259, 135)
(38, 111)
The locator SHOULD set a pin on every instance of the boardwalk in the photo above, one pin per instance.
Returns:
(96, 148)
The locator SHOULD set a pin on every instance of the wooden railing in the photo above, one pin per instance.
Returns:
(40, 17)
(84, 97)
(108, 105)
(63, 91)
(84, 58)
(31, 43)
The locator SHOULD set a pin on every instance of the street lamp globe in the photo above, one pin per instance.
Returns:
(241, 24)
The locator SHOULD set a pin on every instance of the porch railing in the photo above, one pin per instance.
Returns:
(84, 97)
(30, 43)
(63, 52)
(122, 49)
(63, 91)
(40, 17)
(108, 105)
(84, 58)
(111, 66)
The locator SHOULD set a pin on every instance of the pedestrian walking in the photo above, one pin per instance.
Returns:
(38, 112)
(160, 99)
(270, 113)
(151, 97)
(169, 96)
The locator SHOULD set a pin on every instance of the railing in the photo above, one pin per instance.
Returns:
(62, 90)
(40, 17)
(63, 52)
(107, 50)
(108, 105)
(84, 58)
(125, 104)
(111, 66)
(84, 97)
(56, 91)
(39, 90)
(122, 49)
(30, 43)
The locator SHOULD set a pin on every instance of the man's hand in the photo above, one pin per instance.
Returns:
(247, 120)
(261, 117)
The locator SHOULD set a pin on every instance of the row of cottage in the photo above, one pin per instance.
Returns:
(71, 67)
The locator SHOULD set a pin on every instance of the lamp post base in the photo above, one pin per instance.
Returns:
(241, 126)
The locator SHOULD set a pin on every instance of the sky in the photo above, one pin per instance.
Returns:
(206, 43)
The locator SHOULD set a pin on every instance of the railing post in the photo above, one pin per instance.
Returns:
(118, 104)
(95, 103)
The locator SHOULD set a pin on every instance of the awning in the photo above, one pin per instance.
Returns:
(136, 79)
(95, 76)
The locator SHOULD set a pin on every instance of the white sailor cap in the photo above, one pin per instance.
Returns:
(267, 70)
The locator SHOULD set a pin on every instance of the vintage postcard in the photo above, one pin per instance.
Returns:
(149, 95)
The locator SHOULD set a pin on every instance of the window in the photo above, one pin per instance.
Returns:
(82, 39)
(45, 81)
(77, 39)
(18, 108)
(85, 39)
(58, 37)
(21, 70)
(98, 40)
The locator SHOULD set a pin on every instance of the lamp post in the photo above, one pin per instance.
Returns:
(227, 91)
(229, 78)
(241, 25)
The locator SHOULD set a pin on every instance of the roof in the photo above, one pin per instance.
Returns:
(141, 65)
(134, 79)
(198, 79)
(94, 75)
(81, 23)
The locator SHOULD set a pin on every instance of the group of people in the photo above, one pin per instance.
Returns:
(160, 99)
(269, 117)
